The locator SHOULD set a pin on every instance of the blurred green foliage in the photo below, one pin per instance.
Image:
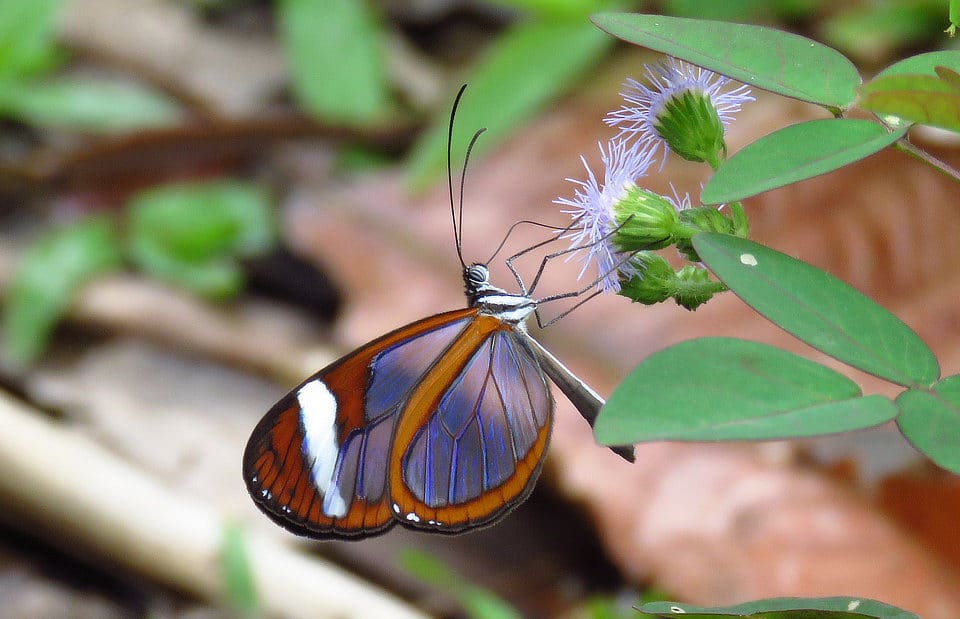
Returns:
(336, 51)
(28, 52)
(336, 57)
(527, 66)
(872, 31)
(555, 9)
(477, 602)
(741, 10)
(480, 603)
(193, 234)
(27, 37)
(238, 580)
(47, 279)
(86, 104)
(606, 607)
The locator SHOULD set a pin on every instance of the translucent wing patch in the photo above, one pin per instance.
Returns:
(478, 454)
(393, 373)
(317, 462)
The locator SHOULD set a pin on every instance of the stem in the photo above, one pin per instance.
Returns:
(692, 293)
(698, 289)
(904, 145)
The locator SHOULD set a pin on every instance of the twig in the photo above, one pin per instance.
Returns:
(86, 496)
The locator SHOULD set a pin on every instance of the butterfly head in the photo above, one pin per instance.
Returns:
(489, 299)
(476, 282)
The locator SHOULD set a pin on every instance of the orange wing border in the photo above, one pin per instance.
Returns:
(491, 505)
(278, 475)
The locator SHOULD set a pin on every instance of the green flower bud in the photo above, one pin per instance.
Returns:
(691, 127)
(694, 287)
(710, 219)
(645, 220)
(690, 287)
(654, 283)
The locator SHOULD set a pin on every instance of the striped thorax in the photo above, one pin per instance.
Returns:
(497, 302)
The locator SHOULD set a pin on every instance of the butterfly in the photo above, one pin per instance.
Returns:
(441, 425)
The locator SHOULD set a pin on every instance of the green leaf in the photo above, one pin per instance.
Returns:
(27, 36)
(777, 61)
(821, 310)
(201, 220)
(921, 64)
(48, 278)
(925, 99)
(336, 59)
(476, 601)
(948, 75)
(930, 419)
(527, 66)
(241, 592)
(924, 64)
(716, 388)
(86, 105)
(796, 153)
(192, 234)
(215, 279)
(784, 608)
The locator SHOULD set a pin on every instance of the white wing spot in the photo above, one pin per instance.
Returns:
(412, 517)
(748, 259)
(396, 508)
(853, 605)
(318, 415)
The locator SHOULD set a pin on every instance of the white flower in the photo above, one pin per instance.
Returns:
(668, 81)
(592, 209)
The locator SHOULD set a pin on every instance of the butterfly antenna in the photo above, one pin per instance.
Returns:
(463, 177)
(457, 236)
(519, 223)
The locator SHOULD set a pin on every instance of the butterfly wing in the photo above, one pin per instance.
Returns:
(471, 439)
(317, 462)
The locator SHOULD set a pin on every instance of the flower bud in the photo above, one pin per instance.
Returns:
(654, 282)
(645, 220)
(711, 219)
(694, 287)
(690, 125)
(680, 107)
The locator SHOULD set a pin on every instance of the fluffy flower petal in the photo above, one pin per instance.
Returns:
(666, 80)
(592, 208)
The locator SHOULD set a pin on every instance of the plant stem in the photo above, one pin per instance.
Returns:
(907, 147)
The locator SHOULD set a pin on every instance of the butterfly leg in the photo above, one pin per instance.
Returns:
(543, 263)
(509, 261)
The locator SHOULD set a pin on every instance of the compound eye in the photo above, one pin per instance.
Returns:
(478, 273)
